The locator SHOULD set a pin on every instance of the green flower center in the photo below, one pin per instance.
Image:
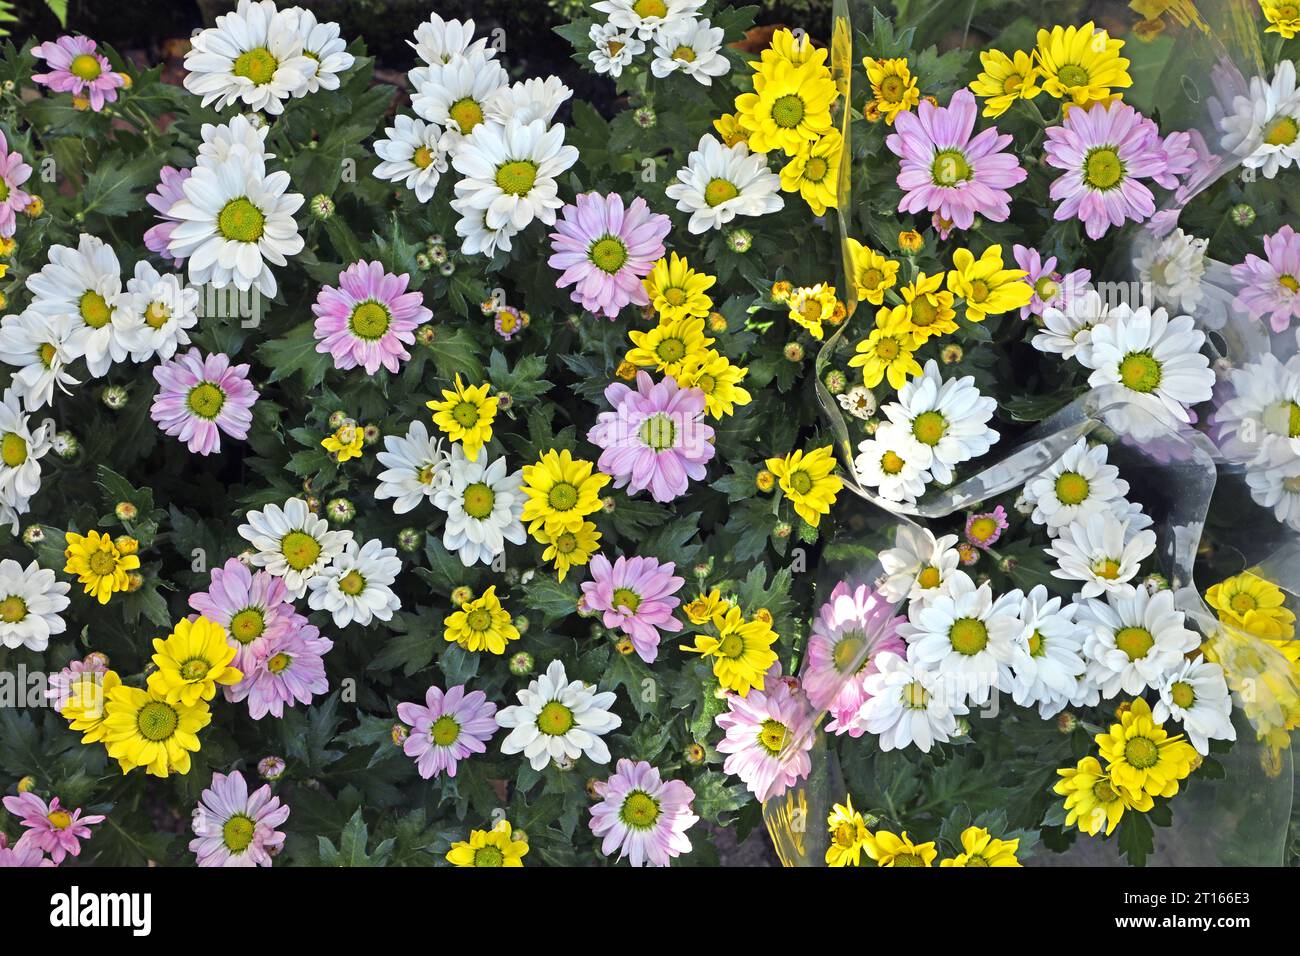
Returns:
(925, 311)
(1140, 372)
(479, 500)
(516, 178)
(1102, 168)
(976, 860)
(479, 619)
(102, 563)
(1134, 641)
(950, 168)
(979, 291)
(1104, 792)
(467, 113)
(194, 669)
(1046, 288)
(608, 254)
(815, 169)
(670, 350)
(1242, 602)
(563, 496)
(444, 731)
(772, 736)
(800, 482)
(969, 636)
(658, 432)
(929, 427)
(1183, 694)
(300, 549)
(157, 721)
(1141, 752)
(465, 414)
(13, 449)
(1291, 485)
(639, 810)
(891, 89)
(94, 309)
(555, 720)
(731, 646)
(85, 67)
(788, 111)
(205, 400)
(258, 65)
(279, 663)
(908, 859)
(1072, 488)
(847, 650)
(238, 832)
(13, 609)
(369, 320)
(626, 598)
(887, 348)
(241, 221)
(1281, 131)
(719, 191)
(1073, 75)
(352, 583)
(247, 625)
(488, 856)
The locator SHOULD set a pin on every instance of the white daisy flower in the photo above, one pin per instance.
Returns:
(858, 402)
(966, 636)
(1067, 331)
(1156, 360)
(416, 466)
(476, 237)
(234, 220)
(528, 100)
(894, 463)
(154, 313)
(1261, 421)
(439, 41)
(720, 182)
(1078, 484)
(1046, 669)
(1099, 551)
(355, 587)
(918, 565)
(220, 139)
(950, 418)
(1196, 695)
(1276, 485)
(1264, 127)
(1173, 268)
(510, 172)
(693, 47)
(457, 96)
(322, 44)
(647, 17)
(908, 705)
(83, 282)
(614, 48)
(21, 451)
(1136, 641)
(30, 601)
(415, 153)
(252, 56)
(41, 347)
(292, 543)
(558, 719)
(483, 505)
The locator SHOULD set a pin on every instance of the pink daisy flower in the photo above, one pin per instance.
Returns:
(1270, 287)
(1105, 150)
(852, 629)
(768, 734)
(984, 529)
(635, 596)
(448, 728)
(76, 68)
(20, 855)
(13, 173)
(606, 250)
(368, 319)
(235, 828)
(946, 172)
(642, 816)
(250, 606)
(290, 669)
(199, 398)
(50, 828)
(169, 191)
(655, 438)
(1050, 287)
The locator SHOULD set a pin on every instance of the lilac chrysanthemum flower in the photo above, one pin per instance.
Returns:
(1270, 287)
(59, 688)
(945, 171)
(984, 529)
(199, 398)
(368, 319)
(21, 856)
(13, 173)
(768, 735)
(605, 250)
(169, 191)
(1051, 288)
(290, 670)
(235, 828)
(642, 816)
(76, 68)
(50, 828)
(447, 728)
(636, 596)
(250, 606)
(655, 438)
(852, 629)
(1105, 150)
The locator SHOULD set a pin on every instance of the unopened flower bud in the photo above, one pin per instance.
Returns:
(322, 207)
(399, 734)
(1066, 722)
(270, 769)
(340, 510)
(126, 511)
(521, 664)
(410, 539)
(462, 595)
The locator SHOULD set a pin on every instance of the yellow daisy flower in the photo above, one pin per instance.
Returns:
(987, 288)
(668, 345)
(707, 607)
(1283, 17)
(714, 375)
(1004, 80)
(793, 49)
(676, 290)
(1253, 605)
(893, 88)
(481, 625)
(814, 172)
(1081, 64)
(1142, 757)
(791, 104)
(982, 850)
(807, 481)
(86, 705)
(742, 650)
(888, 849)
(887, 351)
(560, 491)
(927, 308)
(810, 306)
(1093, 800)
(141, 729)
(192, 661)
(729, 130)
(873, 273)
(466, 415)
(489, 848)
(99, 564)
(346, 443)
(569, 549)
(848, 835)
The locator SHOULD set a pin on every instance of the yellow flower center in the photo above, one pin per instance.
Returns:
(369, 321)
(46, 354)
(563, 496)
(1012, 83)
(13, 449)
(1102, 168)
(1106, 568)
(871, 279)
(156, 315)
(1140, 372)
(205, 400)
(157, 721)
(772, 735)
(929, 577)
(908, 859)
(467, 114)
(257, 65)
(650, 8)
(731, 646)
(1242, 602)
(85, 67)
(1036, 644)
(929, 427)
(479, 500)
(674, 296)
(1141, 752)
(925, 311)
(1104, 792)
(444, 731)
(968, 636)
(278, 663)
(627, 599)
(981, 529)
(352, 583)
(685, 54)
(423, 157)
(1281, 131)
(915, 696)
(555, 720)
(719, 191)
(13, 609)
(891, 89)
(979, 291)
(565, 544)
(94, 309)
(608, 254)
(887, 348)
(950, 168)
(1289, 282)
(300, 549)
(639, 810)
(1183, 694)
(1134, 641)
(788, 111)
(247, 625)
(60, 819)
(846, 651)
(241, 221)
(1071, 488)
(237, 833)
(516, 178)
(891, 463)
(102, 563)
(815, 169)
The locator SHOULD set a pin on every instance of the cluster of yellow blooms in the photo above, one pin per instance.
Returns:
(741, 648)
(103, 565)
(851, 837)
(559, 492)
(481, 624)
(495, 847)
(811, 306)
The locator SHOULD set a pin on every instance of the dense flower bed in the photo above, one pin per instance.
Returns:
(490, 481)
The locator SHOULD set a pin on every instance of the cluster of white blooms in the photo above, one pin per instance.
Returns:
(679, 40)
(1259, 427)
